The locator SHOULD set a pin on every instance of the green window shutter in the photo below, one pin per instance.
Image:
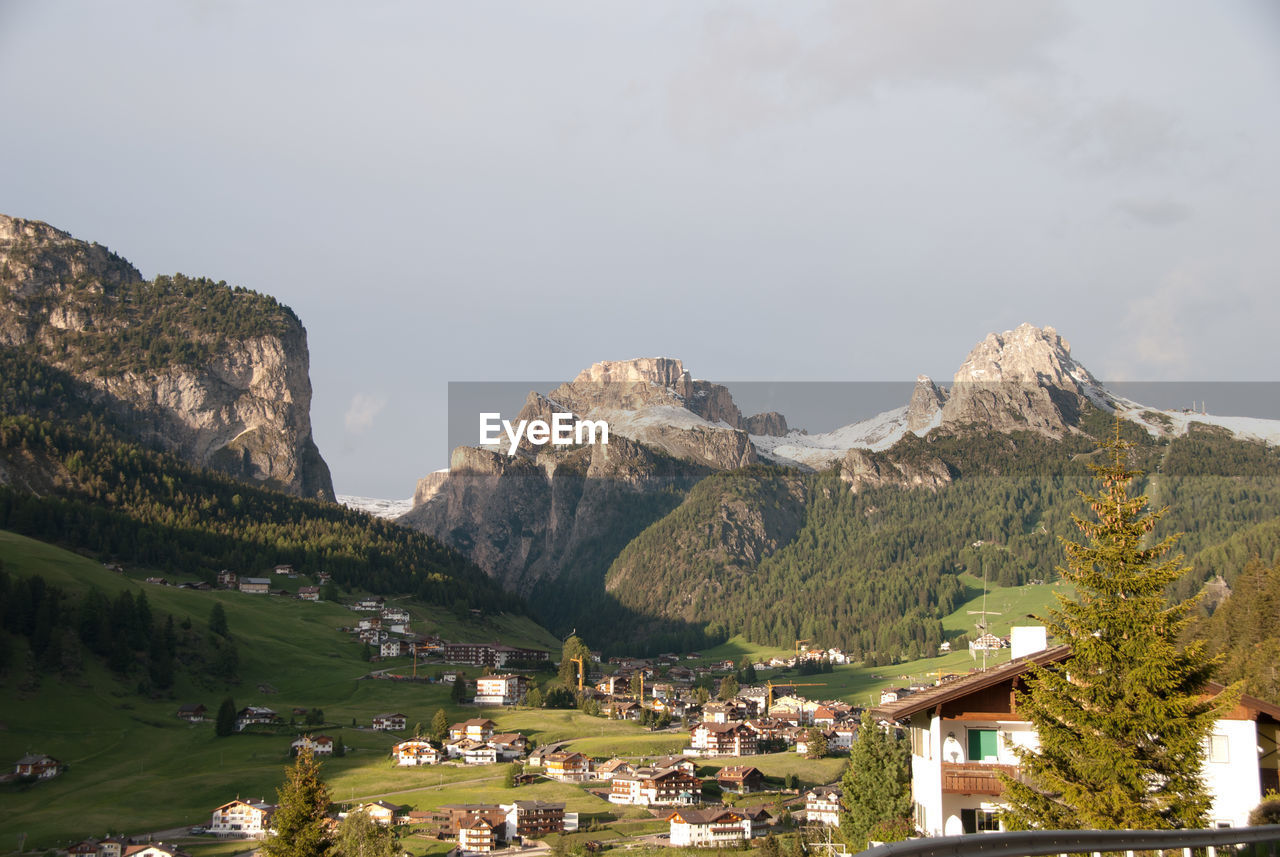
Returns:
(983, 744)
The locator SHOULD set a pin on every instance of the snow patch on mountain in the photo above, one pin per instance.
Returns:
(389, 509)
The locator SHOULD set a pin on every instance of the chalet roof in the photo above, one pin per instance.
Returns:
(613, 765)
(706, 816)
(35, 759)
(535, 805)
(737, 772)
(952, 690)
(962, 687)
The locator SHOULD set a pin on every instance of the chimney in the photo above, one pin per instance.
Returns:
(1026, 640)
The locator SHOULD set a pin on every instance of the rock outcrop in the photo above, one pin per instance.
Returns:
(925, 408)
(768, 424)
(861, 469)
(234, 400)
(1022, 379)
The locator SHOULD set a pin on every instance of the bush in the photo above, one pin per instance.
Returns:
(1267, 812)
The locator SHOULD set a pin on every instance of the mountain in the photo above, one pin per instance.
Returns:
(216, 375)
(856, 535)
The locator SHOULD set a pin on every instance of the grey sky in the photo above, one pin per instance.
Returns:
(475, 191)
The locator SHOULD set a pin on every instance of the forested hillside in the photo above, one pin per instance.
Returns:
(74, 478)
(876, 570)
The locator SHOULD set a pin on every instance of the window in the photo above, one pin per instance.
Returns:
(1217, 749)
(920, 742)
(984, 745)
(979, 821)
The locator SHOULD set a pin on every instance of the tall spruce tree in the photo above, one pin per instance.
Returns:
(226, 722)
(301, 821)
(1122, 722)
(877, 783)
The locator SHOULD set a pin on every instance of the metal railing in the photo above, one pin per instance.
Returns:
(1033, 843)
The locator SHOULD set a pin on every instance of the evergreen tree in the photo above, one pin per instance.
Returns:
(1122, 722)
(301, 820)
(226, 722)
(458, 693)
(728, 688)
(573, 648)
(439, 725)
(218, 620)
(533, 698)
(816, 742)
(876, 784)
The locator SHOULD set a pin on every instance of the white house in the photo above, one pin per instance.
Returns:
(242, 817)
(497, 690)
(391, 649)
(319, 745)
(962, 732)
(822, 806)
(714, 827)
(415, 752)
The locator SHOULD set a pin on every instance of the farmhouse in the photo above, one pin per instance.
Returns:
(389, 722)
(37, 765)
(255, 585)
(962, 731)
(309, 593)
(255, 715)
(741, 779)
(192, 712)
(320, 745)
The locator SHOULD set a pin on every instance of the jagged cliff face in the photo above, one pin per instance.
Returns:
(235, 403)
(522, 518)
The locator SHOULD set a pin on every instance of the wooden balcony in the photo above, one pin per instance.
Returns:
(974, 778)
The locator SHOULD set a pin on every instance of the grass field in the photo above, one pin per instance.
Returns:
(134, 766)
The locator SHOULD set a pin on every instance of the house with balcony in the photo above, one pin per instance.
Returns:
(476, 729)
(414, 752)
(499, 689)
(722, 739)
(740, 779)
(715, 827)
(655, 787)
(822, 806)
(242, 817)
(963, 734)
(390, 722)
(568, 767)
(534, 819)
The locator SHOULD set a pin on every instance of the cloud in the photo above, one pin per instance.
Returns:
(1154, 212)
(362, 411)
(753, 71)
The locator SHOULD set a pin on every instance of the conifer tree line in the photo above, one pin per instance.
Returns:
(62, 628)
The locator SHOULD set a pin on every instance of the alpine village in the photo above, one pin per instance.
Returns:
(1019, 601)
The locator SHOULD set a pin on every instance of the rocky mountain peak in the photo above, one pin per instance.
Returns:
(1023, 378)
(925, 406)
(659, 371)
